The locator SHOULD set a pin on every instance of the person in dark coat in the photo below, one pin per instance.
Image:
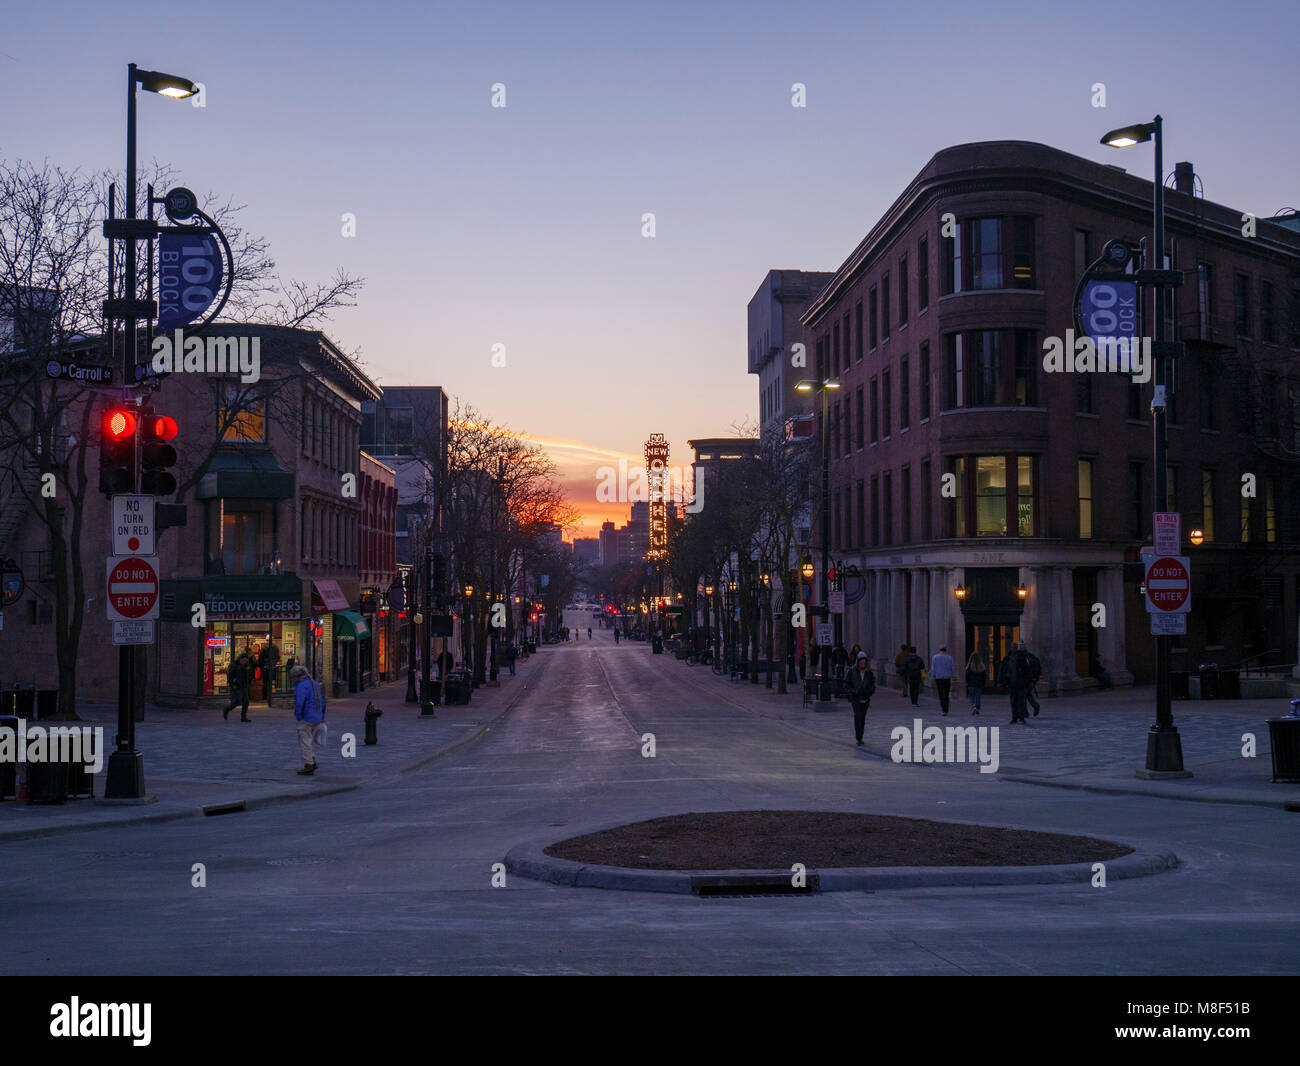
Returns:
(238, 681)
(510, 657)
(862, 686)
(1014, 675)
(913, 671)
(839, 661)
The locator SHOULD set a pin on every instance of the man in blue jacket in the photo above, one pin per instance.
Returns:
(309, 712)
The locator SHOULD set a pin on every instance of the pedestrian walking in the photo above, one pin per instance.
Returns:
(238, 681)
(853, 655)
(914, 672)
(268, 660)
(1013, 675)
(977, 676)
(510, 657)
(1035, 672)
(899, 660)
(862, 686)
(589, 632)
(943, 669)
(616, 635)
(839, 661)
(309, 713)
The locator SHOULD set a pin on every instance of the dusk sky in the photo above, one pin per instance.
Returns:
(521, 226)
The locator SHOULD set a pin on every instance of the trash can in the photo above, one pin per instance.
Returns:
(1209, 674)
(47, 782)
(1179, 687)
(459, 687)
(1284, 739)
(47, 704)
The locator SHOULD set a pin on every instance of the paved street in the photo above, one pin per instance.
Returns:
(394, 875)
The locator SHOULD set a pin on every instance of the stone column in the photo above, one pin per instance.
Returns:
(942, 604)
(1112, 643)
(898, 610)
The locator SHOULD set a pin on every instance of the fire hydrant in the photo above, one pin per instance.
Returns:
(372, 716)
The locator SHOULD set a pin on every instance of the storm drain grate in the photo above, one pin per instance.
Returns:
(740, 887)
(296, 861)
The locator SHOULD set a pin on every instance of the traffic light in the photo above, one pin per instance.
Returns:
(117, 451)
(156, 455)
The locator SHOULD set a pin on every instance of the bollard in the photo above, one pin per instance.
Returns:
(372, 717)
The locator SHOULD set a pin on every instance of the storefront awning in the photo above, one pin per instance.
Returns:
(330, 594)
(245, 475)
(349, 625)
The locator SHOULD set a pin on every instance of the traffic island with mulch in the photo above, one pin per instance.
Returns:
(771, 840)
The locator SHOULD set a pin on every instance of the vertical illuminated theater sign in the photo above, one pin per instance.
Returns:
(656, 464)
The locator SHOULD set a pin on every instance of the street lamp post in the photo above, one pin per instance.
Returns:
(426, 688)
(1164, 746)
(824, 690)
(125, 764)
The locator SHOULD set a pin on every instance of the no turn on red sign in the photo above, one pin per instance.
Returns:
(132, 588)
(1169, 584)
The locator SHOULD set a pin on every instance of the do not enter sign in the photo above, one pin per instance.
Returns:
(1169, 584)
(132, 588)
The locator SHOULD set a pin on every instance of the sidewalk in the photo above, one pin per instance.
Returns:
(195, 761)
(1094, 741)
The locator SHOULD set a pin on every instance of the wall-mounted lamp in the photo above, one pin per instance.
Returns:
(960, 592)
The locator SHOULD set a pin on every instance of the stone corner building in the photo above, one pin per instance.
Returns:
(956, 460)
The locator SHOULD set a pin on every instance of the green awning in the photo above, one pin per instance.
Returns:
(349, 625)
(248, 475)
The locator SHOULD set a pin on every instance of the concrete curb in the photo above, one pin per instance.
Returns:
(1288, 803)
(258, 801)
(531, 861)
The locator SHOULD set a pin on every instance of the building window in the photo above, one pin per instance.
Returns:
(990, 496)
(1134, 402)
(1026, 516)
(986, 253)
(1270, 513)
(927, 502)
(904, 395)
(1026, 377)
(884, 308)
(1207, 503)
(1266, 311)
(1295, 318)
(857, 421)
(956, 467)
(875, 512)
(835, 350)
(923, 385)
(1241, 305)
(1082, 252)
(885, 401)
(952, 265)
(954, 372)
(873, 316)
(847, 334)
(1083, 393)
(243, 414)
(857, 317)
(907, 505)
(875, 412)
(1085, 499)
(1245, 520)
(889, 508)
(1137, 521)
(1022, 252)
(923, 273)
(902, 291)
(986, 368)
(1204, 299)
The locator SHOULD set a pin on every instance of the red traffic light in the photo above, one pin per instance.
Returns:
(119, 424)
(160, 427)
(834, 575)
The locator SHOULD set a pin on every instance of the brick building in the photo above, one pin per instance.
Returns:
(935, 328)
(377, 569)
